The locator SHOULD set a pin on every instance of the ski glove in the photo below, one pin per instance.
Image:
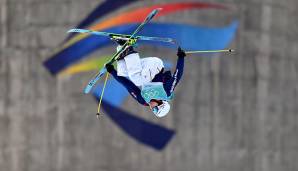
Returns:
(180, 52)
(109, 67)
(120, 41)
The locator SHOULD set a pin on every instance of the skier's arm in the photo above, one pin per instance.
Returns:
(179, 69)
(134, 91)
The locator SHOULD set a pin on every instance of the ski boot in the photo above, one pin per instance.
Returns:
(121, 41)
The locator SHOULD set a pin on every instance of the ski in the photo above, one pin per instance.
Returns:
(112, 35)
(102, 71)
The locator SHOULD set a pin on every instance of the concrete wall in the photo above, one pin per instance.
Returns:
(232, 113)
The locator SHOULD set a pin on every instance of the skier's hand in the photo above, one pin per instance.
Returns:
(109, 67)
(180, 52)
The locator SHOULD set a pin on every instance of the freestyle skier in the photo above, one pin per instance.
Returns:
(145, 79)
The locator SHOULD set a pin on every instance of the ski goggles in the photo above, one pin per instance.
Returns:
(155, 109)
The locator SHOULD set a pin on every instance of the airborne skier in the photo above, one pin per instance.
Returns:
(145, 79)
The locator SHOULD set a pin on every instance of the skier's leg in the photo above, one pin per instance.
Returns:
(121, 64)
(121, 68)
(139, 71)
(134, 68)
(151, 66)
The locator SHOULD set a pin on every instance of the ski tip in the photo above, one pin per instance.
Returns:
(87, 89)
(155, 11)
(76, 30)
(71, 31)
(152, 14)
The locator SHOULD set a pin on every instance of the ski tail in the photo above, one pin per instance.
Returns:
(152, 14)
(148, 19)
(99, 33)
(93, 81)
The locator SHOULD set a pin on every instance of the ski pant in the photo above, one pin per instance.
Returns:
(139, 71)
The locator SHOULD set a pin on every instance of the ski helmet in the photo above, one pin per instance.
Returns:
(162, 110)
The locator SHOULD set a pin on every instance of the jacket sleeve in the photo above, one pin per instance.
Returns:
(177, 74)
(134, 91)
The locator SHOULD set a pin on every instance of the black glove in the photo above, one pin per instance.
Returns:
(109, 67)
(120, 41)
(180, 52)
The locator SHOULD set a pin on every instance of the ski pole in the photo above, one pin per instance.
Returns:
(101, 96)
(210, 51)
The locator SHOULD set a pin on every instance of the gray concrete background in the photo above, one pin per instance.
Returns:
(232, 113)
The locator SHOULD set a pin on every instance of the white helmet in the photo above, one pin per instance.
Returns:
(162, 110)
